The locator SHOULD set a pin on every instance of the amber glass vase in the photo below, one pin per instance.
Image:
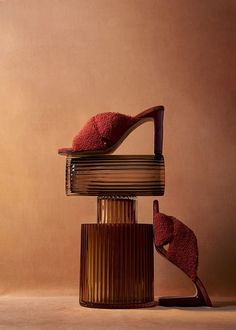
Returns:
(116, 258)
(116, 264)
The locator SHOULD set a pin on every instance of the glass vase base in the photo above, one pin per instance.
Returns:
(118, 306)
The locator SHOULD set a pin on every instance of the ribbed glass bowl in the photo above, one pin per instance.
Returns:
(138, 175)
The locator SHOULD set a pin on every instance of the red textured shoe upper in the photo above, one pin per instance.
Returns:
(102, 131)
(183, 249)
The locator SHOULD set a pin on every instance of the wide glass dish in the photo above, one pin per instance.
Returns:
(137, 175)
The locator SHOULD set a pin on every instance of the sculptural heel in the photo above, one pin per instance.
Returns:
(200, 298)
(157, 115)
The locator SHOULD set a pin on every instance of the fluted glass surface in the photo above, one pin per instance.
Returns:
(116, 265)
(115, 175)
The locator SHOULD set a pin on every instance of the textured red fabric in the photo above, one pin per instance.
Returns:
(102, 131)
(182, 250)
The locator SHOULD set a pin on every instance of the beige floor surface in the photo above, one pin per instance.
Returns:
(66, 313)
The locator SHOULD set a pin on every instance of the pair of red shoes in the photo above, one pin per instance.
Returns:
(102, 134)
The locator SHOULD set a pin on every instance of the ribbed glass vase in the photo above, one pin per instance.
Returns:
(116, 265)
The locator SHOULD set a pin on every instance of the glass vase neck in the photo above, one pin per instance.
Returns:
(116, 209)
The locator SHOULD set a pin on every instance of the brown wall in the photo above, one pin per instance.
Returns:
(64, 61)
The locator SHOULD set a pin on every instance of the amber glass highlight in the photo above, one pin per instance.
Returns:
(116, 209)
(116, 265)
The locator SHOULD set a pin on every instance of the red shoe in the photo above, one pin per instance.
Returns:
(104, 132)
(182, 252)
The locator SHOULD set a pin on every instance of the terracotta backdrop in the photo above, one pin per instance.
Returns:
(63, 61)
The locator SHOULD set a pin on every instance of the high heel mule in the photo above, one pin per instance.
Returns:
(103, 133)
(182, 252)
